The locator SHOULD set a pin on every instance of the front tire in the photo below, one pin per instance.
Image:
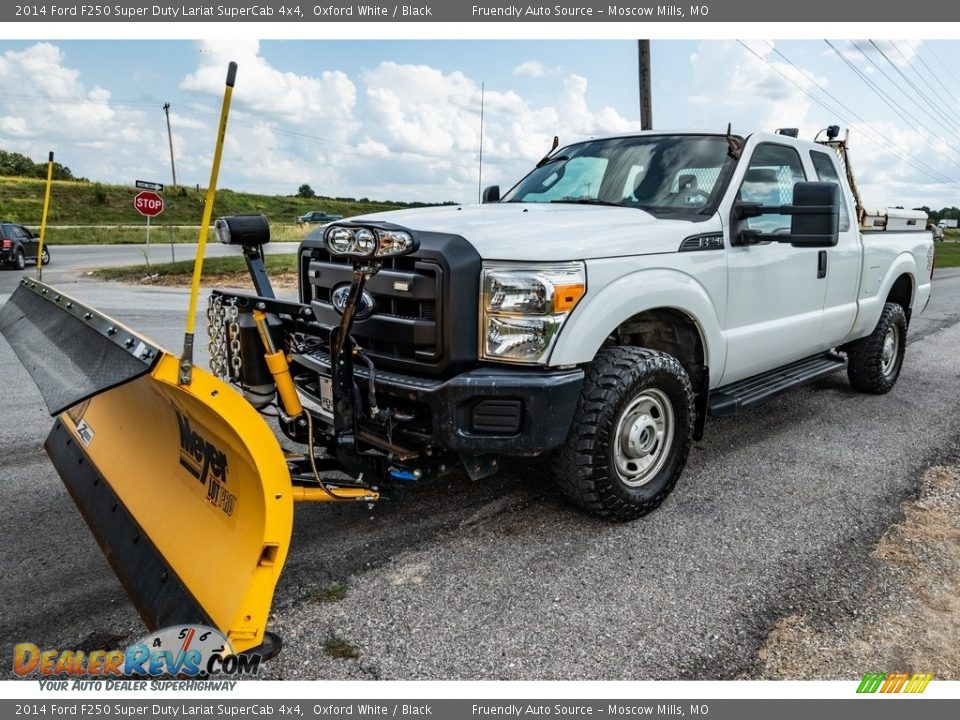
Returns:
(874, 362)
(45, 256)
(630, 436)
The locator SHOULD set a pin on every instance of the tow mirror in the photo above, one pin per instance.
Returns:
(814, 221)
(816, 215)
(491, 194)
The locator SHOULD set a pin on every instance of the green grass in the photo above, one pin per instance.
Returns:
(331, 594)
(85, 203)
(176, 272)
(948, 254)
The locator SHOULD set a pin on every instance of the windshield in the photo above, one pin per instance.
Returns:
(670, 174)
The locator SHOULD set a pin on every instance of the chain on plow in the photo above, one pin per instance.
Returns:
(223, 333)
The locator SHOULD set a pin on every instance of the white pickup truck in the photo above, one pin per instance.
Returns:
(595, 314)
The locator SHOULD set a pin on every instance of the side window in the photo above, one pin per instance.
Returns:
(769, 180)
(827, 172)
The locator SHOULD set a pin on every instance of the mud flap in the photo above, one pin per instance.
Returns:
(185, 487)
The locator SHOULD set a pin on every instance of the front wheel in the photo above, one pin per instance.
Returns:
(45, 256)
(631, 433)
(874, 362)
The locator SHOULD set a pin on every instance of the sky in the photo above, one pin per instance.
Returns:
(401, 120)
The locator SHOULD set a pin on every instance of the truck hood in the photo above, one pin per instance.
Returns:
(554, 232)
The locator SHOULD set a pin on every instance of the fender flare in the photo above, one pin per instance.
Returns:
(599, 315)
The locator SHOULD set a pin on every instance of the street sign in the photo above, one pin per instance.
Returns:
(146, 185)
(148, 203)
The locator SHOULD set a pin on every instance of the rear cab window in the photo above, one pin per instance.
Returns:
(827, 172)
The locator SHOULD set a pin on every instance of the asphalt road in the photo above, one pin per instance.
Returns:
(777, 513)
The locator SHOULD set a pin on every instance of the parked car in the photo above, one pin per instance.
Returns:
(317, 218)
(18, 246)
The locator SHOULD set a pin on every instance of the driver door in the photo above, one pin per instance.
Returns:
(775, 298)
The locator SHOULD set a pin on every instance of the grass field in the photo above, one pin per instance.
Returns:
(84, 203)
(223, 269)
(948, 254)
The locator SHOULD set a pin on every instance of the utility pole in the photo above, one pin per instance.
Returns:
(646, 103)
(173, 168)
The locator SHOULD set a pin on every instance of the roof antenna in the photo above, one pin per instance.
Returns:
(483, 86)
(556, 143)
(734, 145)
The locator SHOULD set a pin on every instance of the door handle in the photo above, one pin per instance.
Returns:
(822, 264)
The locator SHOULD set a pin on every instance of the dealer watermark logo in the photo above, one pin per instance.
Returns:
(207, 463)
(194, 652)
(898, 682)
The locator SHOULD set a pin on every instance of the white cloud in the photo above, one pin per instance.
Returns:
(271, 93)
(530, 68)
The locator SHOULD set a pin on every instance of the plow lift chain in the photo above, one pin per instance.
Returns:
(223, 332)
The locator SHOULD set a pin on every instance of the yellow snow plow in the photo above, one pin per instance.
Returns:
(183, 483)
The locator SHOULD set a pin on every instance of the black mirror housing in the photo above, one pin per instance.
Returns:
(814, 221)
(491, 194)
(816, 215)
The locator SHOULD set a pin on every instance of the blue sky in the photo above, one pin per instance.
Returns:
(401, 119)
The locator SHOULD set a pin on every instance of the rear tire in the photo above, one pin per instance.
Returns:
(19, 262)
(630, 436)
(874, 362)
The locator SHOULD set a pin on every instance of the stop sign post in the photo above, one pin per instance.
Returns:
(148, 204)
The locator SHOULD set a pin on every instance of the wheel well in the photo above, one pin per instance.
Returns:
(668, 330)
(902, 293)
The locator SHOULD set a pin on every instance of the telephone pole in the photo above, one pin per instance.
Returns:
(646, 103)
(173, 168)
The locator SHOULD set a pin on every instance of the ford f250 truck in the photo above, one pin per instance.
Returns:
(595, 314)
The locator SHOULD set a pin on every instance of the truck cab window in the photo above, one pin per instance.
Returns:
(769, 180)
(827, 172)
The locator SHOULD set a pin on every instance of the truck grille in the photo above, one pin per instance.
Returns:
(407, 320)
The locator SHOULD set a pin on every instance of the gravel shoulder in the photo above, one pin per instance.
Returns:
(906, 620)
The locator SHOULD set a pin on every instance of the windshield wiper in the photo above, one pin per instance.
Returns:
(588, 201)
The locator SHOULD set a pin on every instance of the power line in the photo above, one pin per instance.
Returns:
(882, 144)
(943, 64)
(936, 114)
(912, 66)
(890, 102)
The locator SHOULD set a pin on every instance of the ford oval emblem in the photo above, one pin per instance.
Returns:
(365, 302)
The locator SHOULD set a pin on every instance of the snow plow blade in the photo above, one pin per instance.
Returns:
(185, 487)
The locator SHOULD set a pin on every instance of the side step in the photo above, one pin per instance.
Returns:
(733, 399)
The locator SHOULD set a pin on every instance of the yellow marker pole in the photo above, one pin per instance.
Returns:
(43, 220)
(186, 359)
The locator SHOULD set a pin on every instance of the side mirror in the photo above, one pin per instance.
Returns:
(816, 215)
(491, 194)
(814, 222)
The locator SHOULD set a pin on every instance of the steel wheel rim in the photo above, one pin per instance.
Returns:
(643, 437)
(891, 347)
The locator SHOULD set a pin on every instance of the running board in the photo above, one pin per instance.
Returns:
(733, 399)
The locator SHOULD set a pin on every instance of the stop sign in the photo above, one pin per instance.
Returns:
(148, 203)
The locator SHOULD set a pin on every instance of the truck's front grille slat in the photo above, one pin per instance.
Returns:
(405, 324)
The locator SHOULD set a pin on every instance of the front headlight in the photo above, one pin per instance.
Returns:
(524, 307)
